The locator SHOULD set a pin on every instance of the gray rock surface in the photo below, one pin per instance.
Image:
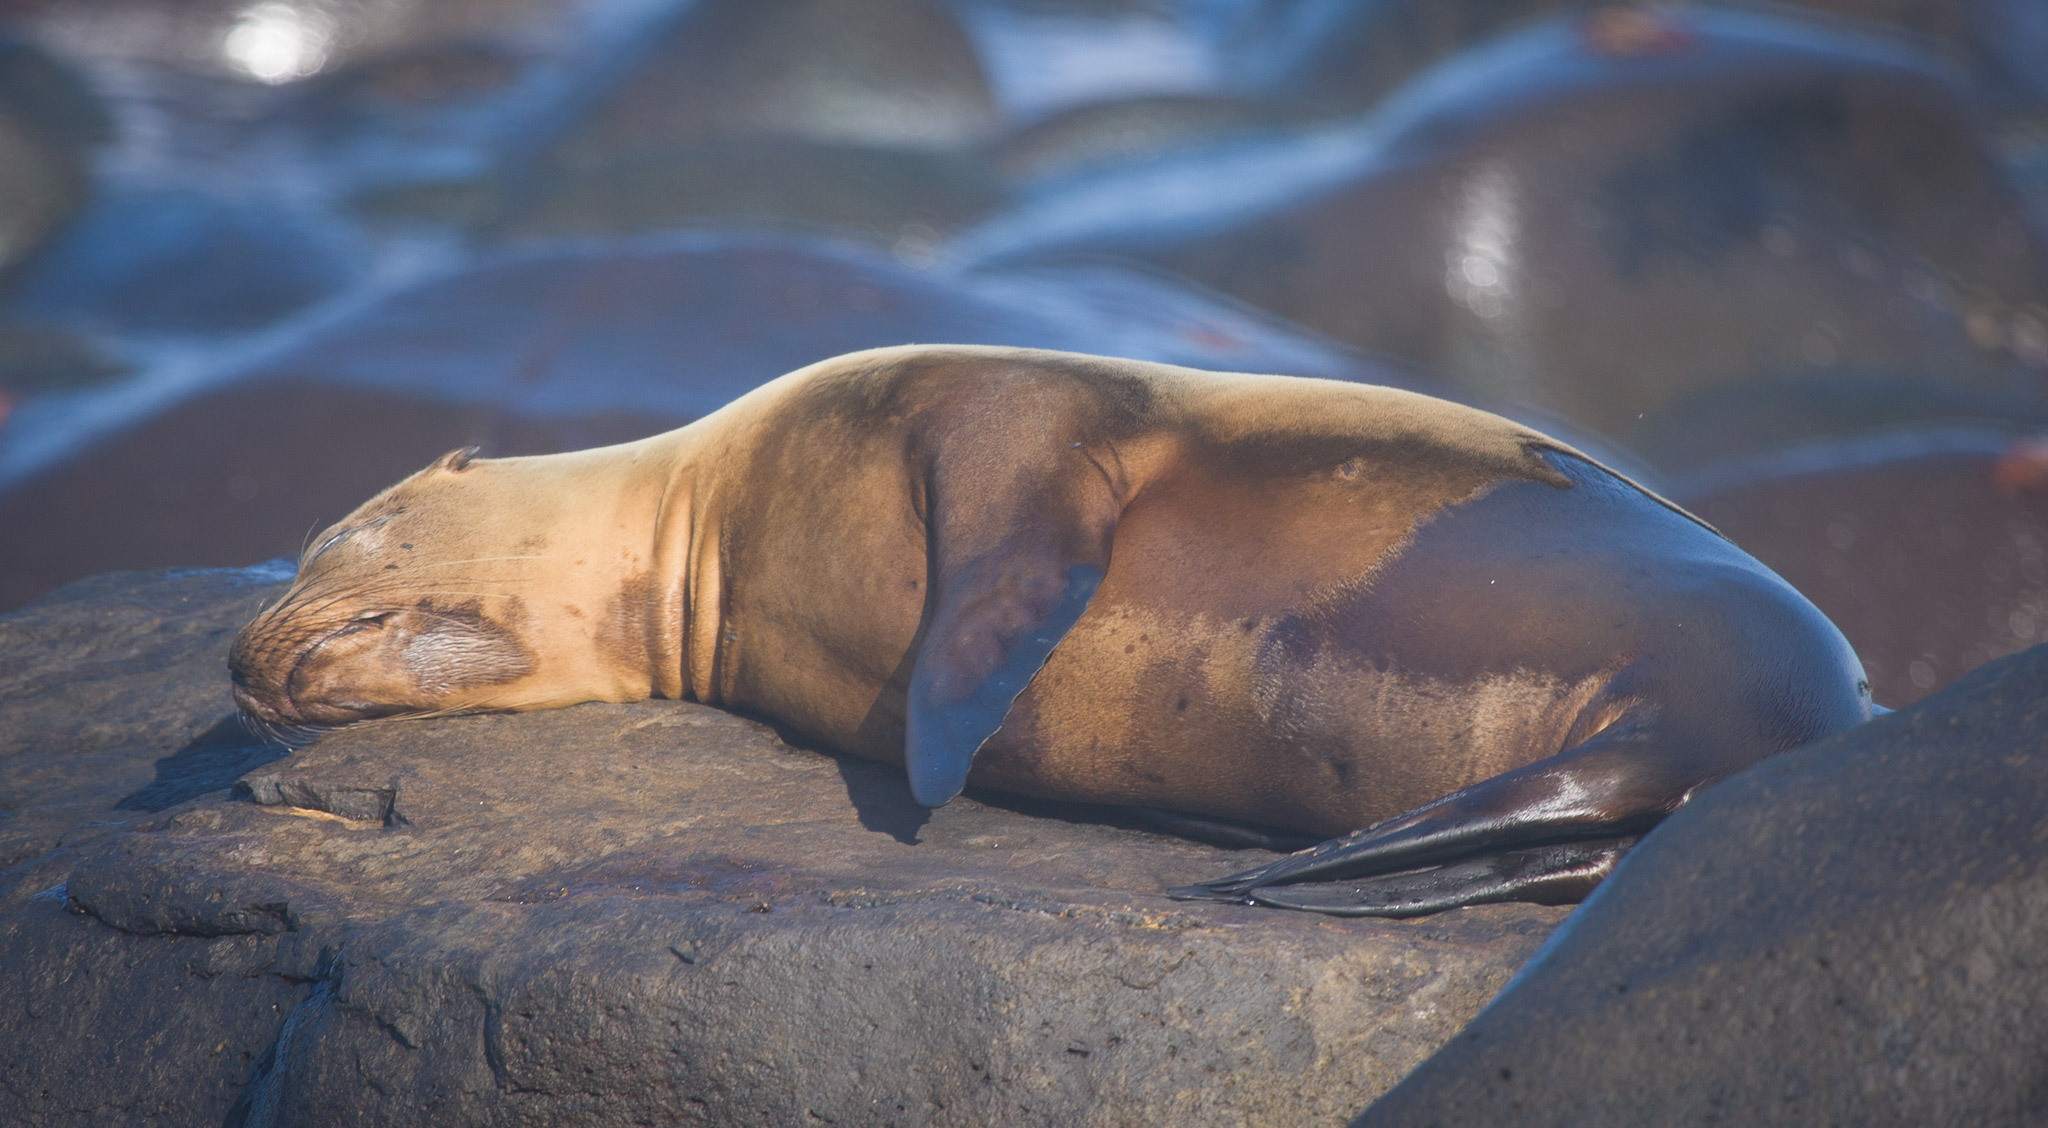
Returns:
(111, 704)
(657, 913)
(1849, 934)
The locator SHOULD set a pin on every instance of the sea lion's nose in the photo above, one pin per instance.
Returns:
(253, 705)
(242, 669)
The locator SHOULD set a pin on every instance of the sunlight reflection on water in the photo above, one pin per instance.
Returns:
(277, 42)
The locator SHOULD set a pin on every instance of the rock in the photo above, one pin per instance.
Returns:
(1127, 131)
(1346, 56)
(180, 260)
(611, 914)
(1349, 54)
(1698, 436)
(1611, 225)
(113, 702)
(531, 353)
(1929, 548)
(893, 74)
(858, 113)
(89, 1048)
(37, 359)
(2009, 36)
(894, 196)
(50, 123)
(1845, 934)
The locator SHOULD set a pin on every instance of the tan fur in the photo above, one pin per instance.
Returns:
(773, 557)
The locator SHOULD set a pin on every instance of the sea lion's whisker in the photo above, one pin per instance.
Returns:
(263, 606)
(293, 737)
(296, 737)
(359, 591)
(478, 594)
(474, 560)
(369, 591)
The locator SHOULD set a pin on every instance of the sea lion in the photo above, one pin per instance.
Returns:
(1299, 603)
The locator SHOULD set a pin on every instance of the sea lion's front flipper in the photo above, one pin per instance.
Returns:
(1537, 833)
(1019, 534)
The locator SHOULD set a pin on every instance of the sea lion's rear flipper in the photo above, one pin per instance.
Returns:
(1546, 833)
(1545, 875)
(1019, 531)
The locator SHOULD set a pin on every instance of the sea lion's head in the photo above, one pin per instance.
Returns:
(474, 585)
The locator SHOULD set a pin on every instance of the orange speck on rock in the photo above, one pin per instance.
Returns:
(1633, 31)
(2023, 468)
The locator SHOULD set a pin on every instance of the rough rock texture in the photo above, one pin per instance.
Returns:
(111, 701)
(624, 914)
(1849, 934)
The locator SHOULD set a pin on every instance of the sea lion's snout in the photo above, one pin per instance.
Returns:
(284, 674)
(257, 672)
(367, 663)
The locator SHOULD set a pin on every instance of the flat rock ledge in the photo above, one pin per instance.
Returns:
(646, 914)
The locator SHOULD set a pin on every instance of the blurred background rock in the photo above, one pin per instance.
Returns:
(1786, 262)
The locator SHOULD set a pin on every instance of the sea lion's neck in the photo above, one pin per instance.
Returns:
(617, 570)
(687, 581)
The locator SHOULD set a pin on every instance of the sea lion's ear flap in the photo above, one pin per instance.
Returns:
(454, 459)
(1016, 554)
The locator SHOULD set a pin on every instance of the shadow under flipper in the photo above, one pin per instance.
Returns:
(1226, 833)
(881, 798)
(1558, 874)
(212, 761)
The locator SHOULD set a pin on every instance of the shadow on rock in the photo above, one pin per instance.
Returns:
(213, 760)
(881, 798)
